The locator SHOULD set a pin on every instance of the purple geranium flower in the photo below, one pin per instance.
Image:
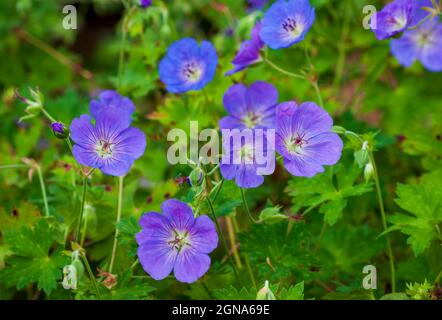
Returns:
(109, 144)
(247, 156)
(394, 18)
(304, 138)
(257, 4)
(145, 3)
(423, 43)
(249, 52)
(286, 23)
(175, 240)
(188, 65)
(252, 107)
(110, 99)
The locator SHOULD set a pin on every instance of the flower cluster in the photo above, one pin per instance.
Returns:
(421, 39)
(106, 141)
(303, 134)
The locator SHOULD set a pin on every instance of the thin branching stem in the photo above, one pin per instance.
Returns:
(119, 210)
(91, 275)
(384, 221)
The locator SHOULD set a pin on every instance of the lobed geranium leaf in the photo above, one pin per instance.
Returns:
(37, 257)
(424, 203)
(328, 191)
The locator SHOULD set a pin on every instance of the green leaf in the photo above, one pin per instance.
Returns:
(277, 256)
(292, 293)
(272, 215)
(34, 260)
(395, 296)
(232, 293)
(424, 203)
(127, 229)
(328, 191)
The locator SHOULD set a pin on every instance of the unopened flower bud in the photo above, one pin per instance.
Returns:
(361, 156)
(196, 177)
(339, 130)
(265, 293)
(60, 130)
(368, 172)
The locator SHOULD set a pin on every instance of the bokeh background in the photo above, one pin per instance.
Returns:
(364, 89)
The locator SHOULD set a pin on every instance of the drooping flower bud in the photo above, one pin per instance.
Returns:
(196, 177)
(368, 172)
(265, 293)
(60, 130)
(361, 156)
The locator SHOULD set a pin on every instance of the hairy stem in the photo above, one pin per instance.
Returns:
(250, 271)
(122, 49)
(232, 241)
(119, 210)
(43, 189)
(223, 240)
(91, 275)
(80, 216)
(384, 221)
(287, 73)
(246, 206)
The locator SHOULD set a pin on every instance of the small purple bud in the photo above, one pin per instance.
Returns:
(145, 3)
(60, 130)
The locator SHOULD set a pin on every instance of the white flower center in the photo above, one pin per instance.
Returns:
(292, 26)
(295, 144)
(192, 72)
(179, 240)
(104, 149)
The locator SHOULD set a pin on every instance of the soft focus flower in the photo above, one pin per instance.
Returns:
(252, 107)
(175, 240)
(394, 18)
(109, 144)
(248, 54)
(145, 3)
(286, 23)
(423, 43)
(188, 65)
(257, 4)
(110, 99)
(304, 138)
(245, 160)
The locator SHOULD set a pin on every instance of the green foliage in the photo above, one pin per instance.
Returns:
(419, 291)
(423, 202)
(313, 236)
(328, 191)
(278, 255)
(127, 229)
(40, 263)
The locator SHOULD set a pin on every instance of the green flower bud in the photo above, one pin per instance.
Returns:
(368, 172)
(361, 156)
(339, 130)
(265, 293)
(196, 177)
